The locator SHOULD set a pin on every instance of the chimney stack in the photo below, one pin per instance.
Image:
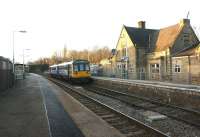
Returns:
(141, 24)
(184, 22)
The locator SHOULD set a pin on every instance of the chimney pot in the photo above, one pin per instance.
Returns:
(141, 24)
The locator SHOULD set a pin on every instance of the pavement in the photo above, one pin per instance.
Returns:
(36, 107)
(22, 112)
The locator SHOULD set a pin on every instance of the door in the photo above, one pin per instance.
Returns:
(124, 71)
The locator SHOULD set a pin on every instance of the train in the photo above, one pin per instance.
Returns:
(73, 71)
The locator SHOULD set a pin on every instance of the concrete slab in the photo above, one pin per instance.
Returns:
(39, 108)
(22, 112)
(153, 116)
(31, 109)
(61, 124)
(89, 123)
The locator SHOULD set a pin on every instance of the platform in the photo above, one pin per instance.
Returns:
(181, 95)
(36, 107)
(155, 83)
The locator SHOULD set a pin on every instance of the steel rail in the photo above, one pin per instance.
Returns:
(149, 131)
(148, 100)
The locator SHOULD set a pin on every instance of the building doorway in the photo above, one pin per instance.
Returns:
(155, 71)
(124, 72)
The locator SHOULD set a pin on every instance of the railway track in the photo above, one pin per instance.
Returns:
(181, 114)
(128, 126)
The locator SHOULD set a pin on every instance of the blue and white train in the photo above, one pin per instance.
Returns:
(77, 70)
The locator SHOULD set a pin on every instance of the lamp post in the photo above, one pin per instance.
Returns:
(13, 34)
(24, 62)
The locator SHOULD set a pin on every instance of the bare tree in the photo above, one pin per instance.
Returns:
(95, 56)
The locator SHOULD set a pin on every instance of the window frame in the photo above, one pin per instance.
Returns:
(177, 68)
(155, 68)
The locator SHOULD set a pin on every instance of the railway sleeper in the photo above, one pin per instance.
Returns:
(100, 113)
(118, 124)
(128, 129)
(95, 108)
(138, 133)
(85, 101)
(87, 104)
(114, 119)
(108, 116)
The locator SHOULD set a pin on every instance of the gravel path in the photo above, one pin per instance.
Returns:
(172, 127)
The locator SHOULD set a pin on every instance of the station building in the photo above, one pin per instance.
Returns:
(167, 54)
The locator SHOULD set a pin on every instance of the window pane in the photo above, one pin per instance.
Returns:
(87, 67)
(75, 67)
(155, 68)
(81, 67)
(177, 68)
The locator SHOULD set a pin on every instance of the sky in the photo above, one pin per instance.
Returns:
(81, 24)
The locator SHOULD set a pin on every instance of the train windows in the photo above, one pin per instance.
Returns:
(54, 68)
(75, 67)
(87, 67)
(81, 67)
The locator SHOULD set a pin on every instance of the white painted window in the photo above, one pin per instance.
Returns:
(131, 68)
(177, 68)
(155, 68)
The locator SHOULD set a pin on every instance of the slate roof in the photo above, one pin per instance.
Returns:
(187, 52)
(141, 37)
(152, 39)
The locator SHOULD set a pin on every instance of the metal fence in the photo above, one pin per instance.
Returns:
(6, 74)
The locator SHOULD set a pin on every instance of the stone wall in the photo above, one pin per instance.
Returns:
(107, 70)
(176, 96)
(195, 69)
(183, 75)
(190, 70)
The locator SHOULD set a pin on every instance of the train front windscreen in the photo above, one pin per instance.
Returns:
(81, 67)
